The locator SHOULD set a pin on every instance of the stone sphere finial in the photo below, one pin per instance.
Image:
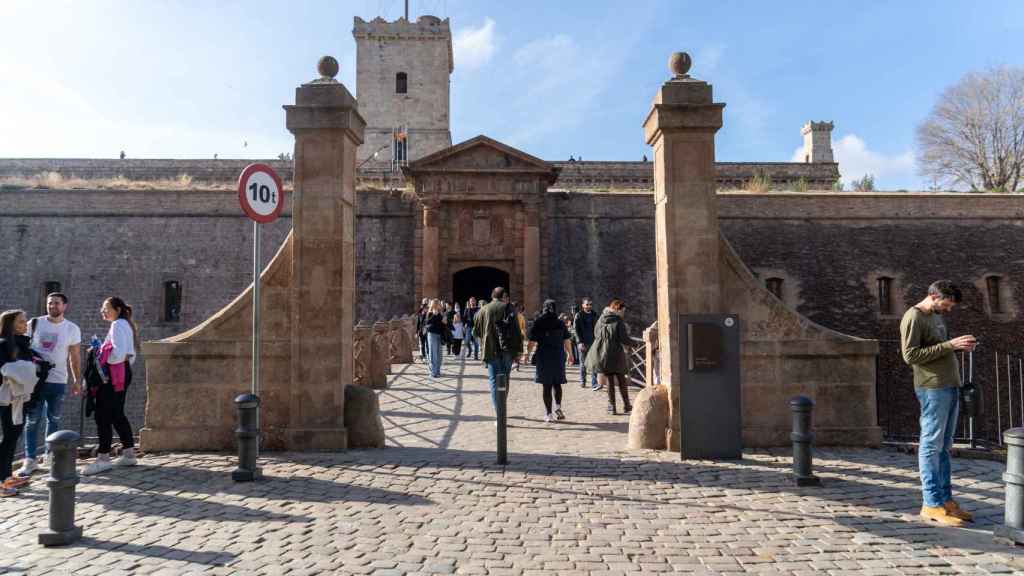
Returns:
(328, 67)
(679, 64)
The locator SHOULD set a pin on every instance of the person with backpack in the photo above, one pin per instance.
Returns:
(117, 354)
(607, 357)
(57, 340)
(550, 336)
(501, 341)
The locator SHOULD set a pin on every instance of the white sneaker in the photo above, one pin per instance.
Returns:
(127, 458)
(27, 468)
(97, 467)
(547, 417)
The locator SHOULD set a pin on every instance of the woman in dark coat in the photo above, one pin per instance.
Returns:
(14, 345)
(607, 356)
(552, 342)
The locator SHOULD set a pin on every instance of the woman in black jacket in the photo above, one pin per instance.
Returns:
(14, 345)
(552, 341)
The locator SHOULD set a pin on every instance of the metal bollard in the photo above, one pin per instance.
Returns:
(248, 435)
(1013, 528)
(502, 388)
(802, 438)
(63, 478)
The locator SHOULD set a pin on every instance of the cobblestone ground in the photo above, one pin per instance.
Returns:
(571, 501)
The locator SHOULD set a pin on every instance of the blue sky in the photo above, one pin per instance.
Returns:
(193, 78)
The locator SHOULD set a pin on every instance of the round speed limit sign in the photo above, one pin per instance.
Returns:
(260, 193)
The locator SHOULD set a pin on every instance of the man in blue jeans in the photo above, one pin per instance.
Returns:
(583, 325)
(485, 327)
(58, 341)
(926, 347)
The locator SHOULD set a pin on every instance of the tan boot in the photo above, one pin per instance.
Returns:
(953, 509)
(938, 514)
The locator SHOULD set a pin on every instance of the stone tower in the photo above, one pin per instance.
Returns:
(402, 82)
(817, 142)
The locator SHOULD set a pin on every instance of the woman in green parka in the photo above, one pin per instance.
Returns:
(607, 356)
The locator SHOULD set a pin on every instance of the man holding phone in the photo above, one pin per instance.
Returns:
(926, 347)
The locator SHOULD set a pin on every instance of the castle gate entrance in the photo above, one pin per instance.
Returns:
(477, 282)
(482, 204)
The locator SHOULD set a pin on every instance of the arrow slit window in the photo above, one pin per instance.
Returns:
(401, 83)
(172, 301)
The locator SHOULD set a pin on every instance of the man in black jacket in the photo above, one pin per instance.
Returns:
(583, 326)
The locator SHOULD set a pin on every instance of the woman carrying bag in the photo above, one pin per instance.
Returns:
(607, 356)
(551, 339)
(15, 390)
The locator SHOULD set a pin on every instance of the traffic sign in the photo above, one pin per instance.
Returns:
(260, 193)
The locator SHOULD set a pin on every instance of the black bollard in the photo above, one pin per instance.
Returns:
(502, 388)
(248, 435)
(1013, 528)
(63, 445)
(802, 438)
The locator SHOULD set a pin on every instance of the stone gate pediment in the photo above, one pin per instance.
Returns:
(481, 155)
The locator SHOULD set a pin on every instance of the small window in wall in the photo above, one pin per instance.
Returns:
(995, 304)
(401, 83)
(49, 287)
(774, 285)
(172, 301)
(884, 295)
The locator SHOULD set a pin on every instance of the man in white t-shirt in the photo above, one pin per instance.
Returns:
(58, 341)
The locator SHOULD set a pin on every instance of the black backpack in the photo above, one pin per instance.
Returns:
(504, 327)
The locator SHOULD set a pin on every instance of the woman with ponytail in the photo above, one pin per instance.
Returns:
(116, 356)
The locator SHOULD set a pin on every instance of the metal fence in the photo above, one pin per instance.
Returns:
(997, 375)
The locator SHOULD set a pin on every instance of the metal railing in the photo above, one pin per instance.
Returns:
(997, 375)
(637, 363)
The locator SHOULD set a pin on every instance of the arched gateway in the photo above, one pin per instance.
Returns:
(477, 282)
(481, 208)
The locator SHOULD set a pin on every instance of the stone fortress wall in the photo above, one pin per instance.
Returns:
(829, 250)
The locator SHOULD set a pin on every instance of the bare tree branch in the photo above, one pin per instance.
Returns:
(974, 136)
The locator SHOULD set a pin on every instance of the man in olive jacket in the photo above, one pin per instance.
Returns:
(485, 328)
(927, 348)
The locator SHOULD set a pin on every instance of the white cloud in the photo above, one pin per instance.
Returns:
(856, 160)
(474, 47)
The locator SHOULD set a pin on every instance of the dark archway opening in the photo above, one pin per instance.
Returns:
(477, 282)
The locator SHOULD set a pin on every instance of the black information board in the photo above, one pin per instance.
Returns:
(710, 416)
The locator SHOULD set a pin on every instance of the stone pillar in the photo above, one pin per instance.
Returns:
(362, 352)
(531, 259)
(328, 129)
(681, 127)
(431, 249)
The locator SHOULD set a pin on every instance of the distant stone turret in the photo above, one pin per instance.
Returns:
(402, 83)
(818, 142)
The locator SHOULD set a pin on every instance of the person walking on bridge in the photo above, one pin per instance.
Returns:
(549, 335)
(435, 327)
(583, 325)
(500, 339)
(607, 356)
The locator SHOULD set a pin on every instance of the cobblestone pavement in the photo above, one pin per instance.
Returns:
(570, 502)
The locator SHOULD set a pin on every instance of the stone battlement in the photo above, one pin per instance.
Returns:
(424, 28)
(573, 176)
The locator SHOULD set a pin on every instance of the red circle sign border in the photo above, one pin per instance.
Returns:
(244, 177)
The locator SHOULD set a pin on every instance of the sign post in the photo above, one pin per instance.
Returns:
(261, 196)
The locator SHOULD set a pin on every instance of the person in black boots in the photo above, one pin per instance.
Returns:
(551, 339)
(607, 356)
(14, 345)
